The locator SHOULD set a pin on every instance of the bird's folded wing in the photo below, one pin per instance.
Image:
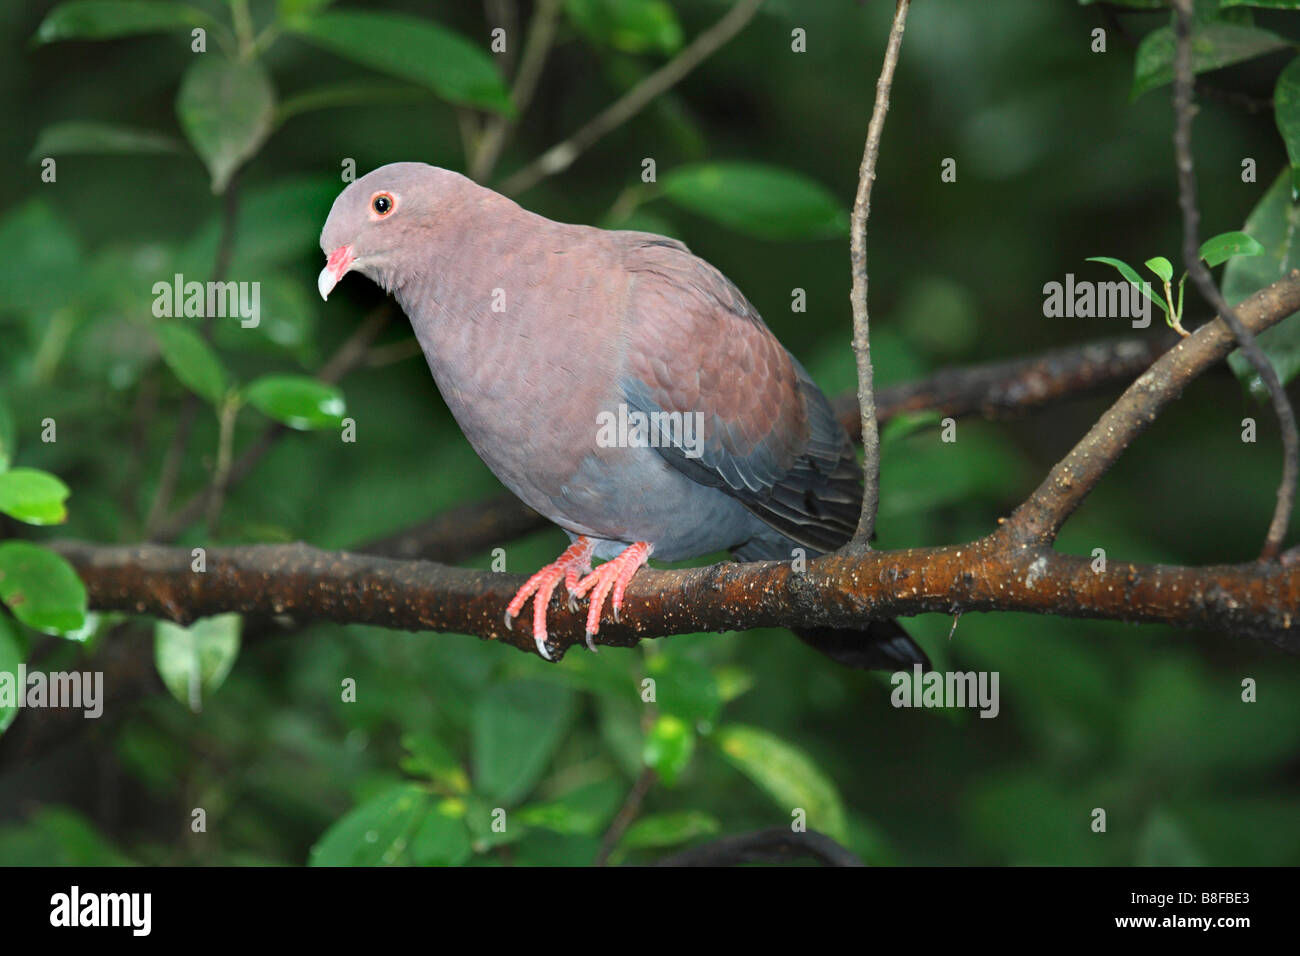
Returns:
(769, 437)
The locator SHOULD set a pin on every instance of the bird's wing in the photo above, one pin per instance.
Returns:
(769, 437)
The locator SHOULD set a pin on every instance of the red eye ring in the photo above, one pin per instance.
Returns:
(382, 204)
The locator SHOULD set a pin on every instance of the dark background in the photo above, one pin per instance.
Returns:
(1054, 165)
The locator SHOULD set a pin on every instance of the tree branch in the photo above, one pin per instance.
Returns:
(1040, 518)
(1013, 569)
(560, 156)
(858, 296)
(841, 590)
(626, 814)
(1184, 110)
(1004, 389)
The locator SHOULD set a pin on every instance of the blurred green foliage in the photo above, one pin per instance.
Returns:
(352, 745)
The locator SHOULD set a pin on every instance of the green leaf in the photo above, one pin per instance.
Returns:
(1162, 267)
(733, 681)
(684, 687)
(351, 93)
(1275, 224)
(192, 361)
(1221, 248)
(8, 436)
(1162, 841)
(442, 838)
(517, 726)
(288, 11)
(43, 265)
(762, 201)
(33, 496)
(11, 655)
(619, 722)
(668, 748)
(668, 829)
(286, 319)
(429, 758)
(1268, 4)
(194, 661)
(413, 49)
(1128, 272)
(586, 809)
(376, 833)
(81, 136)
(104, 19)
(41, 589)
(1214, 45)
(481, 818)
(57, 836)
(298, 401)
(1286, 113)
(631, 26)
(550, 849)
(786, 774)
(226, 109)
(277, 223)
(908, 424)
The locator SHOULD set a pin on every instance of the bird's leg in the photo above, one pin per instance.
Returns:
(613, 575)
(575, 561)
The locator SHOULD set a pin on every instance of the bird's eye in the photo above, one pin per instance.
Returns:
(382, 204)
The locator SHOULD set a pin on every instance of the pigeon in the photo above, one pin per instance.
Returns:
(619, 385)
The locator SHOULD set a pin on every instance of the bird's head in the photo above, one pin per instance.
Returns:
(385, 216)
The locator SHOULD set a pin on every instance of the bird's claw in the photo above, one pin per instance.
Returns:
(610, 580)
(540, 587)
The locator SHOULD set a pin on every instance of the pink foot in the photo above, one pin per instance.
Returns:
(575, 561)
(613, 575)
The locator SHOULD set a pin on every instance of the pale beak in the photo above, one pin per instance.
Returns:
(336, 267)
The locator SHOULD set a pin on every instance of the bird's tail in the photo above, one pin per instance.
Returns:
(881, 645)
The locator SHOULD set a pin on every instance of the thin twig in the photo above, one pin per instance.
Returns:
(858, 296)
(1184, 110)
(393, 352)
(504, 14)
(1038, 520)
(996, 390)
(221, 474)
(171, 468)
(350, 354)
(176, 451)
(541, 36)
(560, 156)
(626, 814)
